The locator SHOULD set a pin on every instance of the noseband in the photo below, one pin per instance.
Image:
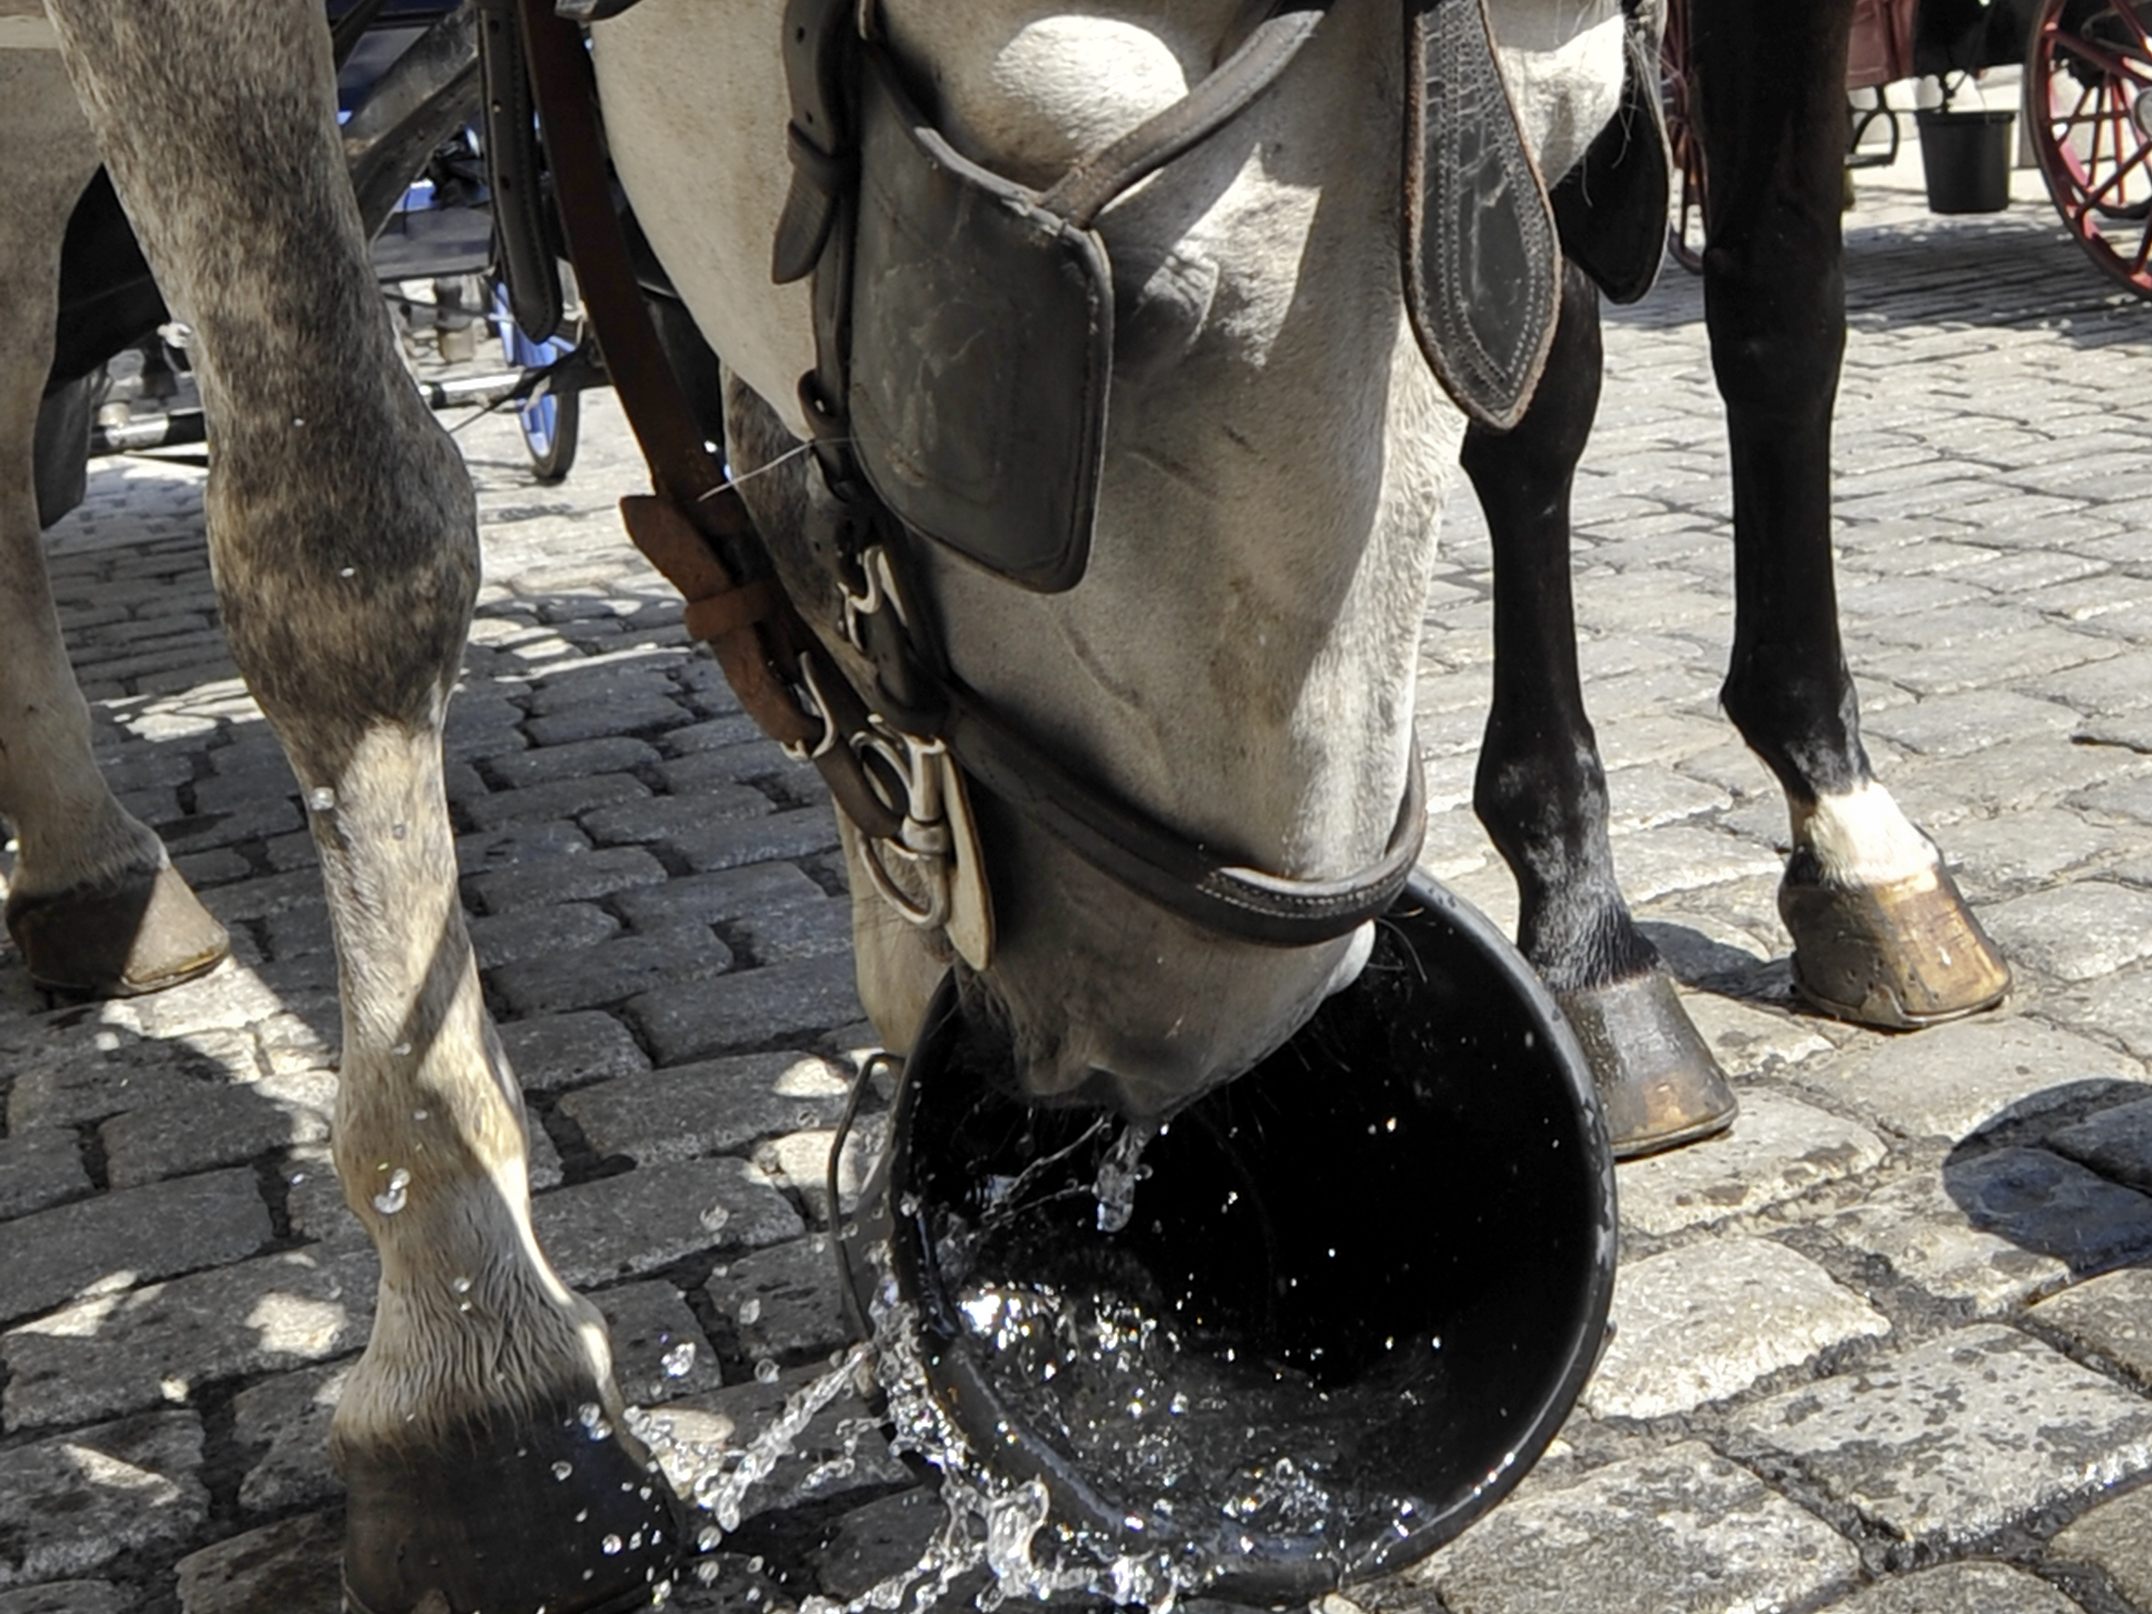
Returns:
(880, 200)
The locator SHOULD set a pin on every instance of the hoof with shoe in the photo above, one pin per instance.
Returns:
(142, 934)
(1658, 1083)
(556, 1514)
(1897, 956)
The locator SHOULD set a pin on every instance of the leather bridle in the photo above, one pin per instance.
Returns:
(876, 706)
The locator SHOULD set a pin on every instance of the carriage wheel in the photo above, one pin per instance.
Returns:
(1686, 230)
(2088, 102)
(550, 422)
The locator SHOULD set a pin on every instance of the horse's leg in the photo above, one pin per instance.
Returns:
(93, 903)
(478, 1434)
(1541, 791)
(1880, 933)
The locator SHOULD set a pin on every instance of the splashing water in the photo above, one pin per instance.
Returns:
(1118, 1176)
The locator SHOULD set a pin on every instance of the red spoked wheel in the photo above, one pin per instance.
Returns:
(2088, 103)
(1685, 231)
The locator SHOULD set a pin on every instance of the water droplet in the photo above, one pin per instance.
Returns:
(750, 1313)
(766, 1371)
(419, 1115)
(714, 1219)
(754, 1565)
(399, 831)
(679, 1362)
(462, 1286)
(322, 799)
(562, 1469)
(297, 1178)
(347, 571)
(610, 1546)
(394, 1197)
(402, 1050)
(708, 1537)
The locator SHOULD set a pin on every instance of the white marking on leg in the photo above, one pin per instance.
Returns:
(1862, 838)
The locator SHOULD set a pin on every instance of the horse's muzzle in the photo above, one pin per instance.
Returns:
(1308, 1331)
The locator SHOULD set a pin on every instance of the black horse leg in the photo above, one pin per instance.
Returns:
(1880, 932)
(1541, 791)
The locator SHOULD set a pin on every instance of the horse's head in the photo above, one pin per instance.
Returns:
(1240, 655)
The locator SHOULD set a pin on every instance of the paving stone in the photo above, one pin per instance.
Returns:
(133, 1236)
(2116, 1143)
(2109, 1316)
(1682, 857)
(1971, 1588)
(782, 1303)
(286, 1418)
(1950, 1080)
(131, 1486)
(751, 1009)
(1749, 1039)
(840, 1454)
(1998, 1227)
(2119, 1006)
(872, 1544)
(653, 1334)
(757, 762)
(1678, 1532)
(40, 1168)
(1700, 1324)
(781, 935)
(1948, 1443)
(561, 798)
(562, 1050)
(2075, 931)
(1779, 1148)
(665, 820)
(85, 1073)
(624, 1226)
(294, 1564)
(1956, 725)
(642, 712)
(575, 877)
(67, 1597)
(612, 753)
(2116, 1539)
(683, 964)
(514, 843)
(1996, 853)
(217, 1127)
(718, 733)
(723, 845)
(723, 895)
(712, 1108)
(519, 937)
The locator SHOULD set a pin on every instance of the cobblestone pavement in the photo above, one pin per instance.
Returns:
(1886, 1350)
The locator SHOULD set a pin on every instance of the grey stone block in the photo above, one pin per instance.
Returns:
(576, 877)
(683, 964)
(168, 1342)
(2116, 1143)
(612, 753)
(1778, 1149)
(1948, 1443)
(1678, 1532)
(40, 1168)
(2116, 1539)
(1957, 725)
(780, 935)
(2075, 931)
(134, 1236)
(2110, 1317)
(67, 1597)
(717, 733)
(217, 1127)
(518, 937)
(85, 1073)
(782, 1304)
(492, 849)
(2024, 848)
(665, 820)
(625, 1226)
(1700, 1324)
(286, 1420)
(875, 1543)
(659, 1351)
(563, 1050)
(132, 1485)
(749, 1010)
(1950, 1080)
(638, 712)
(725, 895)
(801, 833)
(293, 1564)
(1973, 1588)
(712, 1108)
(561, 798)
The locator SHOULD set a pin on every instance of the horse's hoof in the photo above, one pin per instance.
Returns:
(484, 1519)
(1658, 1083)
(143, 934)
(1897, 956)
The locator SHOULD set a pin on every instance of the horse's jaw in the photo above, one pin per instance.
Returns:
(1100, 1000)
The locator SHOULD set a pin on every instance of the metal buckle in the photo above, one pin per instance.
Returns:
(880, 589)
(810, 699)
(924, 843)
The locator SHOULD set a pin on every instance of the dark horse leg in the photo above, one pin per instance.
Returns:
(1541, 791)
(1880, 932)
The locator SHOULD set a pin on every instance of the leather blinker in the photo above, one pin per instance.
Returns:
(1483, 268)
(1611, 207)
(981, 349)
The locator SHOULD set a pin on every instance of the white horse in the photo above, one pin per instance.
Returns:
(1238, 662)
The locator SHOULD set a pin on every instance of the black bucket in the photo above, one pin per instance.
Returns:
(1966, 157)
(1353, 1297)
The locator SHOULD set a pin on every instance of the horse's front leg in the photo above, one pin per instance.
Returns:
(1880, 932)
(93, 903)
(1541, 791)
(479, 1433)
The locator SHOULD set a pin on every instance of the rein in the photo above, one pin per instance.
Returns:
(900, 746)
